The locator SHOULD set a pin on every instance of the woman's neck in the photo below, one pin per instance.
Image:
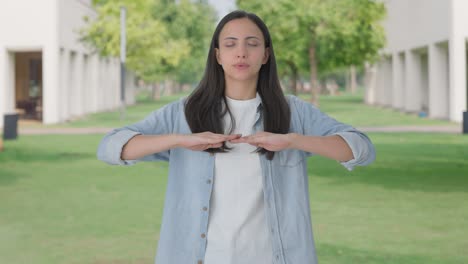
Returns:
(241, 90)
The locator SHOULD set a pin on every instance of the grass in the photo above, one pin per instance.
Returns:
(350, 109)
(60, 205)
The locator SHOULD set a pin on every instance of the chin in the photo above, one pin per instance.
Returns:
(242, 77)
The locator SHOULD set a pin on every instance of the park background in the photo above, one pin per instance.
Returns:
(60, 205)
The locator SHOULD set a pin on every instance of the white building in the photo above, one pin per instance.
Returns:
(45, 72)
(424, 65)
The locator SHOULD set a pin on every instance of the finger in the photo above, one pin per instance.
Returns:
(232, 137)
(253, 140)
(223, 138)
(238, 140)
(218, 145)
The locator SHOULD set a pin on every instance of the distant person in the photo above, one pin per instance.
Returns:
(237, 189)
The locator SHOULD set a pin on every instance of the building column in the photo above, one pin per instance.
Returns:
(64, 96)
(7, 83)
(457, 77)
(72, 85)
(51, 54)
(86, 103)
(438, 81)
(78, 84)
(3, 83)
(412, 85)
(387, 87)
(398, 80)
(370, 83)
(94, 82)
(102, 85)
(457, 61)
(380, 82)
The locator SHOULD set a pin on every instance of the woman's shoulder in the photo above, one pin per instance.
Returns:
(174, 106)
(296, 103)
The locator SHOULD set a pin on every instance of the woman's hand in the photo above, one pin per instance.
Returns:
(267, 140)
(333, 146)
(204, 140)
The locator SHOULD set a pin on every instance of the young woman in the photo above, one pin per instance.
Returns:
(238, 187)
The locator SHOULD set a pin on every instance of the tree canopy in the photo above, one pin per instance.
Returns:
(164, 37)
(318, 36)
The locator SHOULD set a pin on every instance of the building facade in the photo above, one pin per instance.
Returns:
(423, 68)
(46, 73)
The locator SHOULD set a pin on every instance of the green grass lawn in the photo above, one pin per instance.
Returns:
(350, 109)
(60, 205)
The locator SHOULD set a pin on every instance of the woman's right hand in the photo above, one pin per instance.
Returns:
(142, 145)
(204, 140)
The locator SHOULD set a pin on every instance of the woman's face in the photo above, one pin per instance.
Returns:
(241, 50)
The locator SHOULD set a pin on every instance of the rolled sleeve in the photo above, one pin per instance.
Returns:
(362, 148)
(314, 122)
(113, 152)
(159, 122)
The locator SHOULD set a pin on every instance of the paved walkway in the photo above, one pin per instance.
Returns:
(103, 130)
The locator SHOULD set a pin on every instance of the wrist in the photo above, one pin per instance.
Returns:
(293, 140)
(176, 140)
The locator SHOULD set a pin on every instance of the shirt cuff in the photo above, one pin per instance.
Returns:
(117, 142)
(357, 145)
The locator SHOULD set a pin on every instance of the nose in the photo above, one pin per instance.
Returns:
(242, 52)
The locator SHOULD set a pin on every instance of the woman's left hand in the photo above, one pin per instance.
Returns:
(267, 140)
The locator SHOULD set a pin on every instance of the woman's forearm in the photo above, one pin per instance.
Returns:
(143, 145)
(333, 147)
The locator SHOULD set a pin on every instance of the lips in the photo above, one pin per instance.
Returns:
(241, 66)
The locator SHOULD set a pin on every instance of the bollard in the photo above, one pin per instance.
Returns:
(465, 122)
(10, 126)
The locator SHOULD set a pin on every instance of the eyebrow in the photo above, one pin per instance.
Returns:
(234, 38)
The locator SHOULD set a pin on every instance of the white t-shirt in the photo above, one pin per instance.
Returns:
(237, 227)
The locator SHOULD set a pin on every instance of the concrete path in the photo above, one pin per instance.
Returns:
(103, 130)
(424, 129)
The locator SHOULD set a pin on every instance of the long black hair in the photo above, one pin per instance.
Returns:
(204, 109)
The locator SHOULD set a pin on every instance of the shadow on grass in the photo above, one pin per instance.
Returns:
(40, 155)
(417, 166)
(9, 176)
(334, 254)
(16, 156)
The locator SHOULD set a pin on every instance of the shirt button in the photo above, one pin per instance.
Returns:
(208, 181)
(272, 231)
(205, 208)
(200, 262)
(203, 235)
(277, 257)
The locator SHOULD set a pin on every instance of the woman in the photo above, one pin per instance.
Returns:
(238, 187)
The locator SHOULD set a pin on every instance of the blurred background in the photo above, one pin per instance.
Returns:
(395, 69)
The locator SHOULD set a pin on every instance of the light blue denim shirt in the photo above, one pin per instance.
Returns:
(190, 182)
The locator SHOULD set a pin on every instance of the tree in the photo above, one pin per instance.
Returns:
(165, 38)
(335, 33)
(285, 34)
(193, 22)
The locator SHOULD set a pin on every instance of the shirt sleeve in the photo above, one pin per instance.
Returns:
(158, 122)
(316, 123)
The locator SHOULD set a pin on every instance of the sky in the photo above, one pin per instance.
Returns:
(223, 6)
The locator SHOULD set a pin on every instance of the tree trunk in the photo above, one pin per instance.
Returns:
(348, 81)
(353, 80)
(315, 89)
(155, 91)
(294, 74)
(168, 87)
